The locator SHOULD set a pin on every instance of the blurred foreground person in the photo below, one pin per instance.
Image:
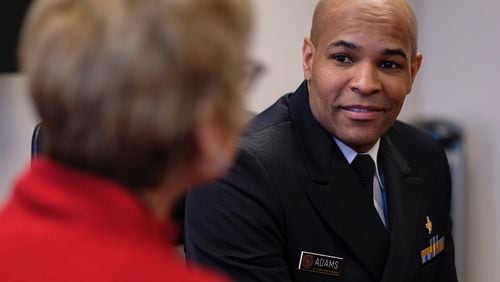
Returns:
(139, 100)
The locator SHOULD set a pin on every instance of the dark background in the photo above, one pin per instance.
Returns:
(11, 16)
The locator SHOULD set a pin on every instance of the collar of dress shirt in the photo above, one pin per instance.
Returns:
(350, 154)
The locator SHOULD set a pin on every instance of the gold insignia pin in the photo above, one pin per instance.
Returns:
(428, 224)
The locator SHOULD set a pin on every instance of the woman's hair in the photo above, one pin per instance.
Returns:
(118, 83)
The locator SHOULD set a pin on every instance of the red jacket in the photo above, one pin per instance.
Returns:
(65, 225)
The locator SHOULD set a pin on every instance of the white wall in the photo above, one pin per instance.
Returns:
(461, 42)
(281, 26)
(16, 126)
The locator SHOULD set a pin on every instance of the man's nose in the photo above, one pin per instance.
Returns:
(366, 80)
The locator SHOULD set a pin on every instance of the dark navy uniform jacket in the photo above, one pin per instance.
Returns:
(291, 193)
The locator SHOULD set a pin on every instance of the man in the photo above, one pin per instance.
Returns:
(296, 206)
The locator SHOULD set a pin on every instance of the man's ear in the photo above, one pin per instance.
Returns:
(308, 50)
(415, 66)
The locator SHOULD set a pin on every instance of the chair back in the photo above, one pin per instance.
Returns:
(36, 141)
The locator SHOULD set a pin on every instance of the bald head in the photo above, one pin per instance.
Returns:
(397, 12)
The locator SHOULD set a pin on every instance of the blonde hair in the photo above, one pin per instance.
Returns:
(117, 82)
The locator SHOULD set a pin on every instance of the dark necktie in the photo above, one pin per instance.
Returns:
(364, 166)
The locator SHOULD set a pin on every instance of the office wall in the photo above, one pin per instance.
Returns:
(281, 26)
(459, 80)
(16, 125)
(15, 115)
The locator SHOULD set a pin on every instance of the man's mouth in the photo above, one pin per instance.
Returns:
(358, 112)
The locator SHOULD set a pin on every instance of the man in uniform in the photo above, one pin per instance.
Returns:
(328, 186)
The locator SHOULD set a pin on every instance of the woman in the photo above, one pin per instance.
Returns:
(139, 100)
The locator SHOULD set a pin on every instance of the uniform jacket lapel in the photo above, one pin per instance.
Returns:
(336, 193)
(404, 196)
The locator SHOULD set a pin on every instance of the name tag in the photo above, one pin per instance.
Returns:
(319, 263)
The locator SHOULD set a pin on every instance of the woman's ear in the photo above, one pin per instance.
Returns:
(216, 147)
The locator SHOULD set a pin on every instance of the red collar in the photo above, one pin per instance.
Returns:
(65, 193)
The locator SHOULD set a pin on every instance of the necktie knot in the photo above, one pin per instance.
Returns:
(364, 167)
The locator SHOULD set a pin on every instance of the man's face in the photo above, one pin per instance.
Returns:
(359, 70)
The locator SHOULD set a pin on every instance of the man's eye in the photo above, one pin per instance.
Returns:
(389, 65)
(342, 59)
